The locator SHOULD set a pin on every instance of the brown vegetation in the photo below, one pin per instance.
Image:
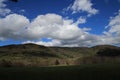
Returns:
(36, 55)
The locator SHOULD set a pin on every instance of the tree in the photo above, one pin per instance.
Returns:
(57, 62)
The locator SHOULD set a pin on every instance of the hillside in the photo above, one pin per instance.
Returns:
(37, 55)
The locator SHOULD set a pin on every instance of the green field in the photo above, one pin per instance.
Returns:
(83, 72)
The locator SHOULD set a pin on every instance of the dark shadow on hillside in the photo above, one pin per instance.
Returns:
(109, 52)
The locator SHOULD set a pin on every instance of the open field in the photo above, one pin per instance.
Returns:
(82, 72)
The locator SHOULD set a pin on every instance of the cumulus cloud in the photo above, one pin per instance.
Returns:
(62, 32)
(83, 6)
(54, 26)
(44, 25)
(3, 9)
(12, 26)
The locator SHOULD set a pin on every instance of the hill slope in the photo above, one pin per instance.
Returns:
(37, 55)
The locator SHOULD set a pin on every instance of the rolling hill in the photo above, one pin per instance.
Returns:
(38, 55)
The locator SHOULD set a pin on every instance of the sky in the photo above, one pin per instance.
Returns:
(63, 23)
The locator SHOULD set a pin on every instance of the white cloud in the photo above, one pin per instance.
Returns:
(81, 20)
(51, 43)
(12, 26)
(44, 25)
(113, 34)
(114, 24)
(54, 26)
(63, 32)
(83, 6)
(3, 9)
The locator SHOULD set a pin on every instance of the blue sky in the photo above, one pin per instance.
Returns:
(71, 23)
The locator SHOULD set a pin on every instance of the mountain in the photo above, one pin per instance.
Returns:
(38, 55)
